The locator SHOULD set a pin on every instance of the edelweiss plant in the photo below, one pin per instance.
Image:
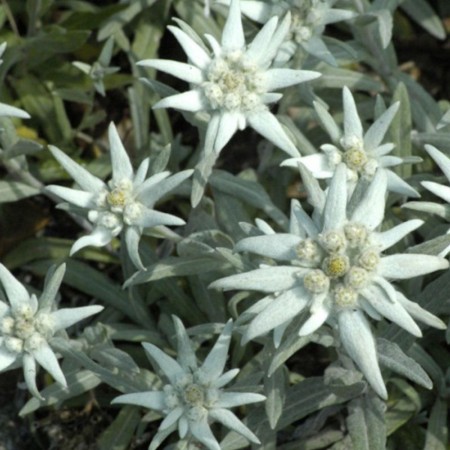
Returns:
(28, 324)
(235, 84)
(124, 203)
(337, 272)
(362, 153)
(309, 19)
(340, 288)
(193, 397)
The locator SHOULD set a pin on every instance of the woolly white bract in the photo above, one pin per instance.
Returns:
(309, 19)
(362, 153)
(27, 325)
(438, 189)
(124, 203)
(193, 397)
(235, 84)
(336, 271)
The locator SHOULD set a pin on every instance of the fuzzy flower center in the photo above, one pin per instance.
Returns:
(24, 330)
(306, 20)
(342, 263)
(356, 158)
(117, 206)
(234, 83)
(191, 393)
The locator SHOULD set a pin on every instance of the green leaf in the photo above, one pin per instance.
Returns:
(120, 432)
(422, 13)
(274, 390)
(177, 266)
(117, 21)
(437, 431)
(400, 130)
(366, 424)
(94, 283)
(54, 40)
(78, 381)
(392, 356)
(249, 192)
(11, 191)
(337, 78)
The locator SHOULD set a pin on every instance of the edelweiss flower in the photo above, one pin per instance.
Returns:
(438, 189)
(28, 324)
(361, 152)
(125, 202)
(309, 19)
(193, 397)
(333, 266)
(235, 83)
(7, 110)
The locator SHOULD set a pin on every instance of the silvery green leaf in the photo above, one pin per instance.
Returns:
(424, 15)
(328, 123)
(176, 266)
(400, 130)
(427, 362)
(435, 246)
(23, 147)
(120, 432)
(385, 24)
(336, 77)
(114, 358)
(437, 430)
(115, 23)
(11, 191)
(78, 382)
(121, 380)
(249, 192)
(203, 242)
(392, 356)
(274, 390)
(308, 396)
(445, 120)
(366, 424)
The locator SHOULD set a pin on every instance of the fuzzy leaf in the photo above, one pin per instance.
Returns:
(392, 356)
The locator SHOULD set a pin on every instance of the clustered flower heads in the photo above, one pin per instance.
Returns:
(235, 84)
(27, 325)
(124, 203)
(337, 271)
(362, 153)
(193, 396)
(309, 19)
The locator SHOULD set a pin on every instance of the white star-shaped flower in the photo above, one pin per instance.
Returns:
(27, 325)
(362, 153)
(333, 265)
(124, 203)
(309, 19)
(193, 397)
(235, 83)
(438, 189)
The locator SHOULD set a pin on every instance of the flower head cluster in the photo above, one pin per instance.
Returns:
(333, 266)
(438, 189)
(27, 325)
(193, 396)
(234, 84)
(362, 153)
(125, 202)
(309, 19)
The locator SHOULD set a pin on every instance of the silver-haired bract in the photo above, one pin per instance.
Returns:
(235, 83)
(124, 203)
(193, 396)
(27, 325)
(332, 265)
